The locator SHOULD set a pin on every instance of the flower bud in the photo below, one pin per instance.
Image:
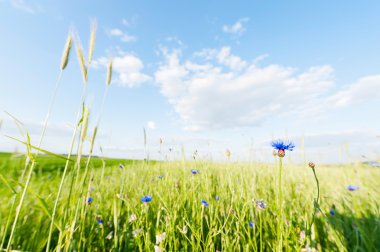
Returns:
(281, 153)
(311, 165)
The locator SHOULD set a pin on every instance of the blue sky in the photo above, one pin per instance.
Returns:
(206, 75)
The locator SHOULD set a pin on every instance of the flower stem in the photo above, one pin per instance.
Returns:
(279, 224)
(316, 204)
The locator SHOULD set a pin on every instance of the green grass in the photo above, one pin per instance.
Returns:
(44, 198)
(223, 225)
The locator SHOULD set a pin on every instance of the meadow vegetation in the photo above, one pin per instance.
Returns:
(77, 202)
(117, 219)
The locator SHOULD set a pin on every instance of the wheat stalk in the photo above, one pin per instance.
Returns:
(109, 73)
(66, 52)
(82, 63)
(86, 114)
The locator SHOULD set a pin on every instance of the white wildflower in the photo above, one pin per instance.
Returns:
(132, 218)
(160, 237)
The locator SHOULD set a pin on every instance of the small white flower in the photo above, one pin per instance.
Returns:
(160, 237)
(302, 235)
(136, 232)
(158, 249)
(132, 218)
(109, 236)
(184, 229)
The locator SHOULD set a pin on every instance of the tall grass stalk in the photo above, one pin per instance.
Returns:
(64, 61)
(316, 203)
(71, 147)
(64, 173)
(81, 199)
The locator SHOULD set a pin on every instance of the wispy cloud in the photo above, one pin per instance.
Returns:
(22, 5)
(365, 89)
(237, 28)
(123, 36)
(129, 22)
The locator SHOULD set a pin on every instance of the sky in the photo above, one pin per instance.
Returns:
(203, 76)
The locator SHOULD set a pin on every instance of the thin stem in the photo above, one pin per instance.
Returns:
(261, 234)
(279, 226)
(316, 204)
(64, 172)
(18, 209)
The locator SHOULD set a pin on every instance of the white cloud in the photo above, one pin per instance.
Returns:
(128, 69)
(236, 28)
(22, 5)
(365, 89)
(116, 32)
(151, 125)
(225, 92)
(224, 57)
(130, 22)
(128, 38)
(124, 37)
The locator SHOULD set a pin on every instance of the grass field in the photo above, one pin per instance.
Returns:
(77, 202)
(175, 219)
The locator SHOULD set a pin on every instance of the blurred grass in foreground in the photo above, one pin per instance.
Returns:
(176, 220)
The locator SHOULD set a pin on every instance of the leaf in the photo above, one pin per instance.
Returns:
(43, 205)
(7, 183)
(39, 149)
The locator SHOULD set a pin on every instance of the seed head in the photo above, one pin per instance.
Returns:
(92, 42)
(109, 73)
(311, 165)
(66, 53)
(281, 153)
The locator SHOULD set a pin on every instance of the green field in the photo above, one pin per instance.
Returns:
(79, 202)
(175, 219)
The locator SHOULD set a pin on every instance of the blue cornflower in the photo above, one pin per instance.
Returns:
(374, 164)
(194, 171)
(260, 204)
(352, 188)
(332, 212)
(204, 203)
(281, 146)
(217, 197)
(100, 222)
(89, 200)
(121, 166)
(146, 199)
(160, 177)
(251, 224)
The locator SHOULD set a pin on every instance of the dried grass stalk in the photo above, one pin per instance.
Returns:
(81, 62)
(66, 52)
(109, 73)
(92, 41)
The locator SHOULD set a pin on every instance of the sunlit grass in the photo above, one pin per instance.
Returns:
(176, 208)
(80, 203)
